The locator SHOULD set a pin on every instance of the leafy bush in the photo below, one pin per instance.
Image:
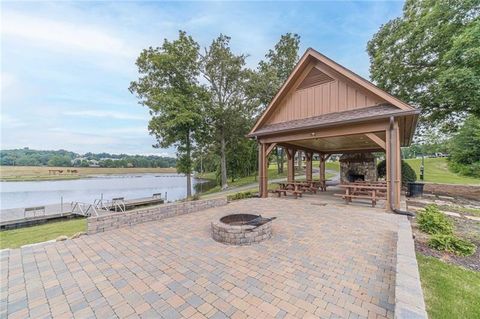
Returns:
(408, 174)
(452, 244)
(240, 195)
(432, 221)
(472, 170)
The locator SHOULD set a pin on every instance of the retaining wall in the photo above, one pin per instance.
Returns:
(465, 191)
(117, 220)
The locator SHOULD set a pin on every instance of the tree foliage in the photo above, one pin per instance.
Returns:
(430, 58)
(168, 86)
(229, 109)
(30, 157)
(465, 148)
(275, 69)
(271, 74)
(207, 122)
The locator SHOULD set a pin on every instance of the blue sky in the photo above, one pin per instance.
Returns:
(66, 66)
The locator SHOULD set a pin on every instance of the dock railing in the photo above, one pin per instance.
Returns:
(84, 209)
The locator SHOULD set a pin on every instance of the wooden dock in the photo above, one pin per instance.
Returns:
(28, 216)
(123, 205)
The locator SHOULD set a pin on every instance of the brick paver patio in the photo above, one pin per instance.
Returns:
(330, 261)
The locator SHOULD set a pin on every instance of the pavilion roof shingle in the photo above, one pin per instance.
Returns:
(356, 115)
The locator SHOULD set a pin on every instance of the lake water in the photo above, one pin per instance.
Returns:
(130, 186)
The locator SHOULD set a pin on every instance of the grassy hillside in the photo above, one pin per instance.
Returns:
(436, 171)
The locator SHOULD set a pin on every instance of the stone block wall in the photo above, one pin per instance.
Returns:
(240, 235)
(464, 191)
(117, 220)
(358, 164)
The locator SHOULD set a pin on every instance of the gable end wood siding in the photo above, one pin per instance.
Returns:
(336, 95)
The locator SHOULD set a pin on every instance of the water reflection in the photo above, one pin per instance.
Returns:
(130, 186)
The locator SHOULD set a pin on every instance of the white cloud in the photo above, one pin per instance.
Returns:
(109, 114)
(64, 34)
(8, 80)
(11, 122)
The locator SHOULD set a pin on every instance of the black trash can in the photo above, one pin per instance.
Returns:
(415, 189)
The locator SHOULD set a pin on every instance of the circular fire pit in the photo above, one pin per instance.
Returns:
(242, 229)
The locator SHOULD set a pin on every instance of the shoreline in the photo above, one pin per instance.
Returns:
(42, 173)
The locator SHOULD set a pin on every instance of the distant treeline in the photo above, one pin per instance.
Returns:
(29, 157)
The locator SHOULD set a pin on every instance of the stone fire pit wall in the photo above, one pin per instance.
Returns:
(240, 235)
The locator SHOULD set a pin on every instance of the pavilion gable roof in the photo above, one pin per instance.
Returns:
(321, 91)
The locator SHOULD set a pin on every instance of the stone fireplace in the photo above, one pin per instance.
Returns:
(358, 167)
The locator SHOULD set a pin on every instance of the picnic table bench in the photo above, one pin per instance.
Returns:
(362, 191)
(319, 184)
(294, 188)
(33, 210)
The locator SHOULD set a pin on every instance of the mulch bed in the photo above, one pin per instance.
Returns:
(465, 228)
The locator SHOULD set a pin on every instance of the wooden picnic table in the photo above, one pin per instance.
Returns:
(296, 188)
(320, 184)
(362, 191)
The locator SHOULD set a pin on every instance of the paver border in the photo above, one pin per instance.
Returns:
(409, 302)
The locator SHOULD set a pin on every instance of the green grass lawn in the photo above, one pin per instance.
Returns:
(35, 234)
(450, 291)
(436, 171)
(272, 174)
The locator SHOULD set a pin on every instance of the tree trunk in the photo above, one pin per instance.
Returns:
(299, 160)
(189, 174)
(189, 185)
(280, 160)
(223, 163)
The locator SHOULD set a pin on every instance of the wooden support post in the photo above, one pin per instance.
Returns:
(398, 165)
(263, 169)
(308, 163)
(387, 168)
(260, 169)
(290, 164)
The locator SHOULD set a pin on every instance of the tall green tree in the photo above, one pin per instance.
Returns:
(430, 57)
(227, 78)
(274, 70)
(271, 73)
(168, 86)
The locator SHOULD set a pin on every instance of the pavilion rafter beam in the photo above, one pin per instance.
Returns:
(352, 150)
(329, 152)
(297, 147)
(270, 148)
(376, 139)
(334, 131)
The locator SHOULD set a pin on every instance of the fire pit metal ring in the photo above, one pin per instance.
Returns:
(242, 229)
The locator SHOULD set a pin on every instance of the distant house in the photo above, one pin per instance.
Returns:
(93, 163)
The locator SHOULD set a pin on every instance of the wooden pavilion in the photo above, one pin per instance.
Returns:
(326, 109)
